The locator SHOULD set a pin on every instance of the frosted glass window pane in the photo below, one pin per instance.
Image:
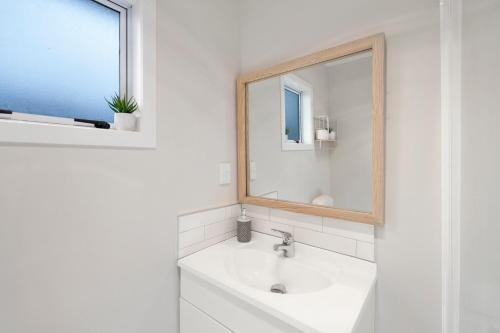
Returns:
(59, 57)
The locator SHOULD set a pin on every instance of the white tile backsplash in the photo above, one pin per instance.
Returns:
(326, 241)
(219, 228)
(266, 227)
(199, 219)
(203, 229)
(365, 250)
(351, 238)
(359, 231)
(204, 244)
(258, 212)
(233, 211)
(191, 237)
(297, 220)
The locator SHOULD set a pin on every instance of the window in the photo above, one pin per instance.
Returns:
(62, 58)
(296, 115)
(292, 115)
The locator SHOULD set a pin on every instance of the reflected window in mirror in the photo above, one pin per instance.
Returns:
(292, 115)
(296, 113)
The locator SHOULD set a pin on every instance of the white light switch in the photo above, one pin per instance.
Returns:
(225, 173)
(253, 170)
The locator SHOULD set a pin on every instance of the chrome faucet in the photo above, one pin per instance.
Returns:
(287, 246)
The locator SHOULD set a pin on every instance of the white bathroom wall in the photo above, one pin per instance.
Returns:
(201, 229)
(351, 157)
(298, 175)
(407, 248)
(480, 263)
(88, 237)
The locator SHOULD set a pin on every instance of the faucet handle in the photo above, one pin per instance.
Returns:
(285, 235)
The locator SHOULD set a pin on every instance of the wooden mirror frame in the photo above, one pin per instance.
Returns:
(376, 44)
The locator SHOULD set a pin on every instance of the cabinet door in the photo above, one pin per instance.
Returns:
(195, 321)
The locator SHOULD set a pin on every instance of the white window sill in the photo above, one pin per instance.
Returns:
(287, 146)
(12, 131)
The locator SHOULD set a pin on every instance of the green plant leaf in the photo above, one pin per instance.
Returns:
(120, 104)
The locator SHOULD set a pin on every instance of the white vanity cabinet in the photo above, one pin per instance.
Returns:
(205, 308)
(193, 320)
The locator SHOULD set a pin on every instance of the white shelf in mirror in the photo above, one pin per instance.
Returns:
(321, 141)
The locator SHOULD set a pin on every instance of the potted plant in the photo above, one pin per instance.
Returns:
(124, 109)
(332, 135)
(287, 131)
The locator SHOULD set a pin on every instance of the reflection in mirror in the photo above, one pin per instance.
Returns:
(310, 135)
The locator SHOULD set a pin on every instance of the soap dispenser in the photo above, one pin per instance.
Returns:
(244, 227)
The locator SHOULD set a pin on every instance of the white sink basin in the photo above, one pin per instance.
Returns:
(261, 270)
(325, 291)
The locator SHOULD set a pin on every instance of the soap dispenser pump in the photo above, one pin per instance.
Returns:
(244, 227)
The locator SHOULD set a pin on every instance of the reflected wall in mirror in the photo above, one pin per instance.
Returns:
(312, 136)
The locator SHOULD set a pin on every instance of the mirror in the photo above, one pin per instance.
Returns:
(313, 133)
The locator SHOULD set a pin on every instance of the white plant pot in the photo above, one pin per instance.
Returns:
(125, 121)
(333, 136)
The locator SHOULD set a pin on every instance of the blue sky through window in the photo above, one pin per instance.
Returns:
(59, 58)
(292, 114)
